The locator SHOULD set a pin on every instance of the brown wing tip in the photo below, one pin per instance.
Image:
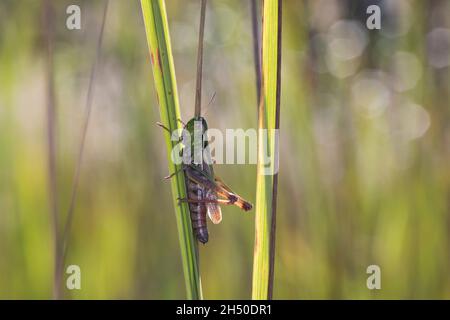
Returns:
(247, 206)
(244, 205)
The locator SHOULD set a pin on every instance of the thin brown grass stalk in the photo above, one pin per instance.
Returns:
(198, 86)
(84, 129)
(48, 16)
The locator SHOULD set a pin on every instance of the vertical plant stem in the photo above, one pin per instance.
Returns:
(267, 178)
(275, 177)
(157, 31)
(256, 47)
(51, 145)
(198, 87)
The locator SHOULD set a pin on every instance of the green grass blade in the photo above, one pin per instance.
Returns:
(157, 30)
(266, 185)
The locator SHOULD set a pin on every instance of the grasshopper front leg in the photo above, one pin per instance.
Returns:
(168, 130)
(172, 174)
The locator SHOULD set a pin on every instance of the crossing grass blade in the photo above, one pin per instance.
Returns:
(266, 184)
(157, 31)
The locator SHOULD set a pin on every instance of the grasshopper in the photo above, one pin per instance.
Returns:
(205, 191)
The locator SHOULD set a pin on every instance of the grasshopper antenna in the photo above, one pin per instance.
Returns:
(210, 103)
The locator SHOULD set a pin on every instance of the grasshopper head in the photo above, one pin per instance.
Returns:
(196, 121)
(196, 127)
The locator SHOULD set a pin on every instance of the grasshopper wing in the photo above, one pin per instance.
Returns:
(214, 211)
(200, 177)
(217, 185)
(229, 194)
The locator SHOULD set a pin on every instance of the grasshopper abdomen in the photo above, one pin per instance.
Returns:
(197, 211)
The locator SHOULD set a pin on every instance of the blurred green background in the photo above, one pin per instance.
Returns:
(365, 150)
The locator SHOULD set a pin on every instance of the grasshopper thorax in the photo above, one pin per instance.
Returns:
(196, 128)
(195, 140)
(196, 123)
